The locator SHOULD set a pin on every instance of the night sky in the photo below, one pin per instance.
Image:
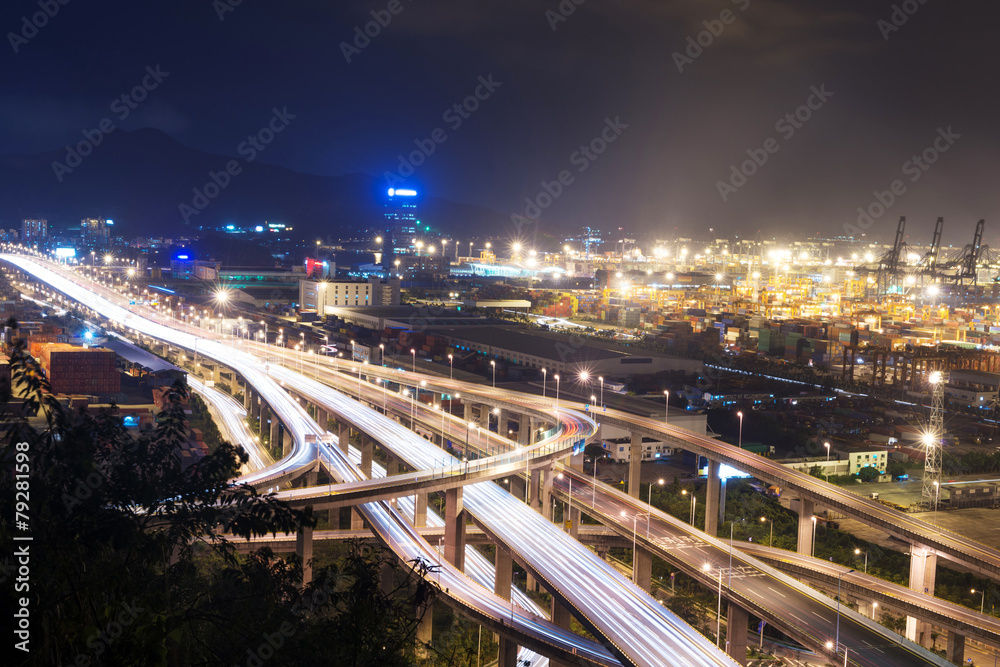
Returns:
(557, 81)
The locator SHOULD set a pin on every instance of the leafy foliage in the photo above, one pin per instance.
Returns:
(127, 567)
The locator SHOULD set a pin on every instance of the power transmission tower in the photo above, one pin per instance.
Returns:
(931, 490)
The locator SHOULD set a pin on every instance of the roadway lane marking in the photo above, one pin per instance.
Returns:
(797, 618)
(872, 646)
(776, 592)
(818, 616)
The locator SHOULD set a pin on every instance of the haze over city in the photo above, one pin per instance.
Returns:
(692, 111)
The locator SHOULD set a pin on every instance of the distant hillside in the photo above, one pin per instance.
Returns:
(140, 178)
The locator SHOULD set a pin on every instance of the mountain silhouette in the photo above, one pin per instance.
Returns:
(140, 179)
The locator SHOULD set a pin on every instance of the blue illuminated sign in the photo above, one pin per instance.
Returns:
(402, 193)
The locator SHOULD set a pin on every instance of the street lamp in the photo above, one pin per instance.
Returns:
(694, 501)
(666, 406)
(451, 367)
(545, 375)
(937, 495)
(827, 445)
(836, 649)
(874, 607)
(413, 367)
(381, 354)
(649, 500)
(601, 380)
(493, 364)
(770, 541)
(857, 552)
(556, 376)
(740, 415)
(982, 601)
(707, 567)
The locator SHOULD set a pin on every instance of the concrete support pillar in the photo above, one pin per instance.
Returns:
(642, 569)
(454, 528)
(367, 448)
(387, 578)
(545, 495)
(634, 465)
(287, 443)
(534, 490)
(503, 576)
(357, 521)
(956, 648)
(508, 653)
(420, 510)
(343, 435)
(263, 415)
(523, 430)
(712, 499)
(425, 631)
(392, 465)
(247, 397)
(736, 633)
(923, 574)
(503, 420)
(304, 550)
(467, 411)
(806, 523)
(275, 432)
(560, 613)
(311, 477)
(322, 417)
(574, 522)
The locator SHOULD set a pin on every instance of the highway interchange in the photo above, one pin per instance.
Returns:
(635, 628)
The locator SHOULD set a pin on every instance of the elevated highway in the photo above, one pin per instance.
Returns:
(636, 629)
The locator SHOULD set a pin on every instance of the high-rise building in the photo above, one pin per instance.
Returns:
(34, 229)
(96, 232)
(400, 224)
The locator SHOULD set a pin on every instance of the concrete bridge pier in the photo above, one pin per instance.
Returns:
(420, 510)
(275, 432)
(248, 397)
(923, 573)
(322, 417)
(642, 569)
(712, 499)
(454, 528)
(425, 631)
(304, 550)
(367, 450)
(574, 522)
(545, 495)
(634, 464)
(806, 527)
(955, 653)
(736, 633)
(523, 430)
(534, 490)
(343, 436)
